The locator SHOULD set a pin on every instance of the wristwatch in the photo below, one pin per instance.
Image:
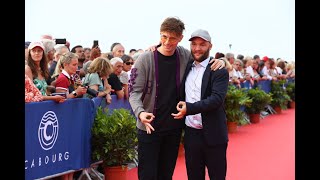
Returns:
(74, 93)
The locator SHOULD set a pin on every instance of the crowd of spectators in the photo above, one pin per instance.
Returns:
(54, 72)
(60, 73)
(254, 69)
(48, 63)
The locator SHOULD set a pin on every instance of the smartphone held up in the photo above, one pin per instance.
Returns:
(61, 41)
(95, 43)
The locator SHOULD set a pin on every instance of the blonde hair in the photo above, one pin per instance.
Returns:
(101, 65)
(66, 58)
(57, 70)
(290, 66)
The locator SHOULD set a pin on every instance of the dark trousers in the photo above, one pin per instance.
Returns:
(157, 154)
(199, 155)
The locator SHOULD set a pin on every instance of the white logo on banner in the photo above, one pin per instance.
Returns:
(48, 130)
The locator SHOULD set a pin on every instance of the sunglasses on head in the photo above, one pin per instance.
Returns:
(129, 63)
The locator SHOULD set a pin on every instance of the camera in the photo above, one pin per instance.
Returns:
(90, 91)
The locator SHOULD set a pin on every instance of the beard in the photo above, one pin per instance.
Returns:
(203, 57)
(81, 59)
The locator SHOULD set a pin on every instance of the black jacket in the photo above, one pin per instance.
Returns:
(211, 106)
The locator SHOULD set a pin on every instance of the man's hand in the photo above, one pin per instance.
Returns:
(217, 64)
(146, 118)
(182, 110)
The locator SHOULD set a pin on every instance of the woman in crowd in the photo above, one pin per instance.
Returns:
(257, 76)
(272, 70)
(94, 53)
(37, 70)
(124, 76)
(114, 81)
(281, 67)
(290, 70)
(65, 83)
(97, 78)
(32, 93)
(235, 75)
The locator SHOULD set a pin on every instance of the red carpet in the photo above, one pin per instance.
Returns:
(263, 151)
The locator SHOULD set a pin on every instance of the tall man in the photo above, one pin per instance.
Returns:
(204, 91)
(154, 87)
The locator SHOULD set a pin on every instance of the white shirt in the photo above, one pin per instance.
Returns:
(124, 77)
(236, 73)
(193, 91)
(265, 72)
(279, 70)
(249, 70)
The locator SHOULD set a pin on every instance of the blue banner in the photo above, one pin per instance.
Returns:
(265, 85)
(57, 136)
(115, 104)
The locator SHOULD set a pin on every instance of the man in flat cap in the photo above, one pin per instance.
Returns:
(203, 93)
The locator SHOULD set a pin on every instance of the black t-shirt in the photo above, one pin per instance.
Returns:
(167, 94)
(115, 83)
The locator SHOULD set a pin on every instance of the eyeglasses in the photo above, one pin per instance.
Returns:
(129, 63)
(170, 39)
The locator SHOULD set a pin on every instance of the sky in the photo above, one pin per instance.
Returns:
(262, 27)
